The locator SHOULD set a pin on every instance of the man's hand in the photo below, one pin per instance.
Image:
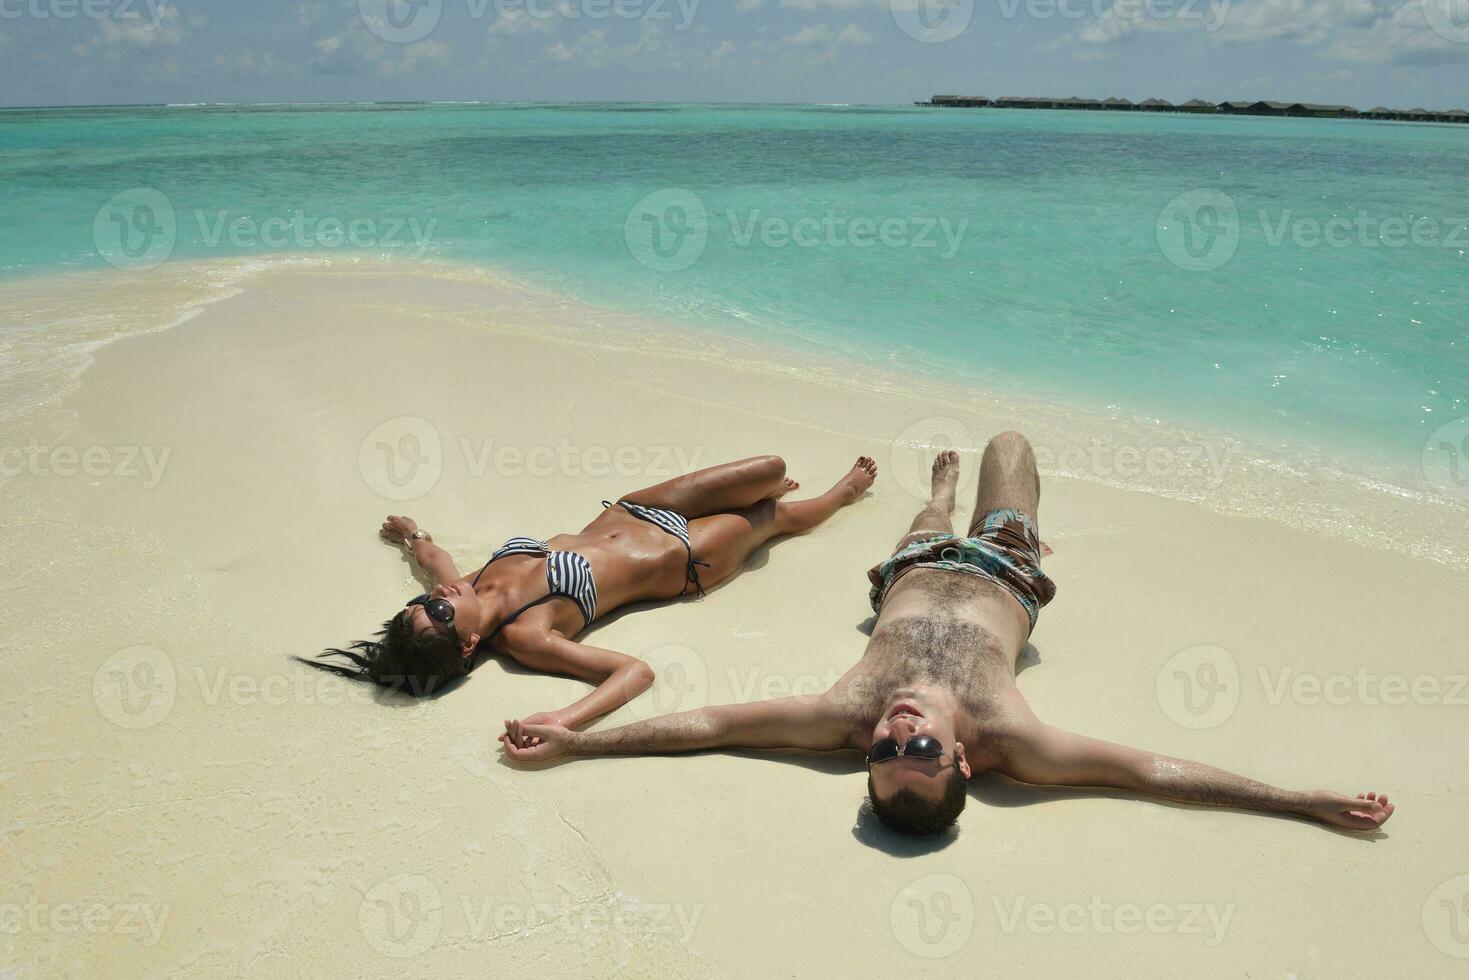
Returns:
(527, 742)
(787, 723)
(1365, 811)
(396, 529)
(543, 718)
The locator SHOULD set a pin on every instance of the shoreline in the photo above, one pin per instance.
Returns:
(1222, 471)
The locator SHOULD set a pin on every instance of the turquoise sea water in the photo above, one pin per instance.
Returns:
(1025, 251)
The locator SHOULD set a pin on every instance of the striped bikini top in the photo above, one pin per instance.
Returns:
(568, 576)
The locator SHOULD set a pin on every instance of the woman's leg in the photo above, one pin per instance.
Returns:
(726, 540)
(718, 489)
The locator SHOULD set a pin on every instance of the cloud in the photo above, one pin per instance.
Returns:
(247, 63)
(509, 25)
(164, 29)
(1393, 31)
(722, 54)
(822, 43)
(355, 49)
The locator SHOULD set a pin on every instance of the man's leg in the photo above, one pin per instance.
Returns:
(937, 515)
(1007, 478)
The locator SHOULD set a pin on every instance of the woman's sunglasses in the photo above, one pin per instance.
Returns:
(439, 610)
(918, 747)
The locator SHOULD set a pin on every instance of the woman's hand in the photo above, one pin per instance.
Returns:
(527, 741)
(397, 529)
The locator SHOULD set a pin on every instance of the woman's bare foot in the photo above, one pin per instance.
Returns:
(786, 486)
(858, 480)
(945, 480)
(803, 515)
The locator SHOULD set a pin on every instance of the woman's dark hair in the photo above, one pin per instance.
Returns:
(401, 659)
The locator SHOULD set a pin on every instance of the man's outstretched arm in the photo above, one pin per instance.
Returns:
(1043, 755)
(787, 723)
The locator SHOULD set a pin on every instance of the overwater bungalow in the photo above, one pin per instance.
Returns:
(959, 101)
(1329, 111)
(1122, 105)
(1155, 105)
(1023, 102)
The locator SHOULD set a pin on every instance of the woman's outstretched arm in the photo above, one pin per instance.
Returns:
(429, 556)
(618, 677)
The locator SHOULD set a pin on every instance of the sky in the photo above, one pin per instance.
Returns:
(1398, 53)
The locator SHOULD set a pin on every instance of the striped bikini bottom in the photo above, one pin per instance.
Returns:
(676, 525)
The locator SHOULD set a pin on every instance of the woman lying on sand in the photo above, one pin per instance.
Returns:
(533, 597)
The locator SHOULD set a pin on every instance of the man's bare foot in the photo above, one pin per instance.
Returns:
(858, 479)
(945, 480)
(786, 486)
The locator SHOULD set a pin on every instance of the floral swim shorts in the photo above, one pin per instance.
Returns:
(1004, 548)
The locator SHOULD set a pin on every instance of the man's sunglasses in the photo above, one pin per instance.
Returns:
(918, 747)
(439, 610)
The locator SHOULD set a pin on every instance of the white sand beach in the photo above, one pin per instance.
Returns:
(178, 797)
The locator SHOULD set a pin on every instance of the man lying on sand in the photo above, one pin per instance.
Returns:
(533, 597)
(934, 698)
